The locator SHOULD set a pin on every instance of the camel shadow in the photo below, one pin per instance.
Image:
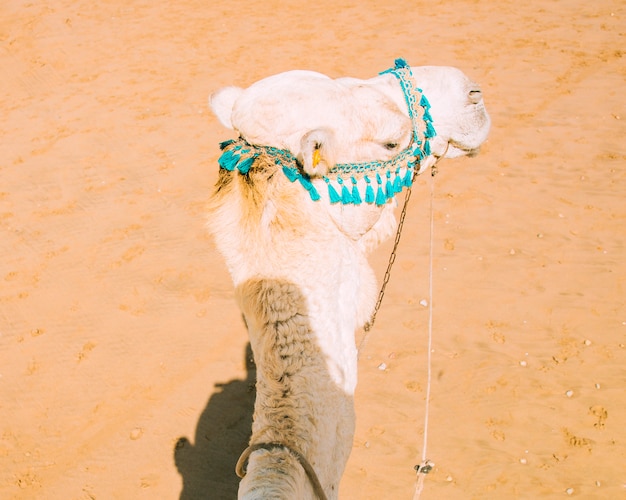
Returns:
(223, 431)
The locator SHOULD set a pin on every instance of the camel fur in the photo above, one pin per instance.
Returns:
(299, 266)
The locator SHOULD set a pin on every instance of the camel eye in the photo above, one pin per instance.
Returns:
(391, 145)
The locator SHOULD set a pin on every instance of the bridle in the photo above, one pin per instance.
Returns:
(382, 180)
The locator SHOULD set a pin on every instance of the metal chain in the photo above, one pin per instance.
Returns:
(392, 258)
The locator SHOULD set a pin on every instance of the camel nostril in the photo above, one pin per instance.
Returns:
(475, 96)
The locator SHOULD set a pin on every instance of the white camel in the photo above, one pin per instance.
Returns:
(303, 194)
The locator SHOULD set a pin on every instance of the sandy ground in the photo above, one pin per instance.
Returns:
(122, 354)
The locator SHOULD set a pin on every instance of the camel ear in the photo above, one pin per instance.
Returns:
(222, 103)
(317, 151)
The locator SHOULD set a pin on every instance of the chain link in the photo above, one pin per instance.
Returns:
(392, 258)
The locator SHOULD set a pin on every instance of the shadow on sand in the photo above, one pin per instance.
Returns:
(208, 466)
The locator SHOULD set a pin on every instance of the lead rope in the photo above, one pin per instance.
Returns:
(426, 465)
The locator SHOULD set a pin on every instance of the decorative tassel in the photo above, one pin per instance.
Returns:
(408, 178)
(400, 63)
(427, 148)
(227, 160)
(356, 197)
(244, 166)
(389, 190)
(315, 196)
(225, 144)
(380, 195)
(291, 173)
(369, 191)
(424, 101)
(332, 193)
(308, 185)
(430, 130)
(397, 182)
(346, 198)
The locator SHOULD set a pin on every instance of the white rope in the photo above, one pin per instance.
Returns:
(425, 466)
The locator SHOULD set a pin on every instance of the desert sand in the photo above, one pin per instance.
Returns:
(123, 364)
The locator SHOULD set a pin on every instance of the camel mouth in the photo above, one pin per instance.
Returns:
(456, 148)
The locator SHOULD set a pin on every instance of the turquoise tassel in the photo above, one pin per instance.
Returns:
(423, 101)
(315, 196)
(408, 178)
(346, 197)
(225, 144)
(427, 117)
(308, 185)
(430, 130)
(244, 166)
(427, 148)
(400, 63)
(356, 197)
(397, 182)
(228, 160)
(369, 191)
(380, 197)
(291, 173)
(389, 190)
(332, 193)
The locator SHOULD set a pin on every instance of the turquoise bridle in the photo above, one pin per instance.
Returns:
(342, 180)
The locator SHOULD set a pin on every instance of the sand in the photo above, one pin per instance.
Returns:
(123, 368)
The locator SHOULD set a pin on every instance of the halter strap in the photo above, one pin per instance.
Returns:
(240, 468)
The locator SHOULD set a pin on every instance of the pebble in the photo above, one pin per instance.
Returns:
(597, 386)
(449, 478)
(424, 302)
(569, 491)
(136, 433)
(523, 461)
(569, 393)
(587, 342)
(523, 363)
(382, 366)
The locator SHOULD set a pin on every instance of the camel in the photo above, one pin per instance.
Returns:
(304, 193)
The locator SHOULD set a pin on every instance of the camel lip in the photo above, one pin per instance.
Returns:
(464, 149)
